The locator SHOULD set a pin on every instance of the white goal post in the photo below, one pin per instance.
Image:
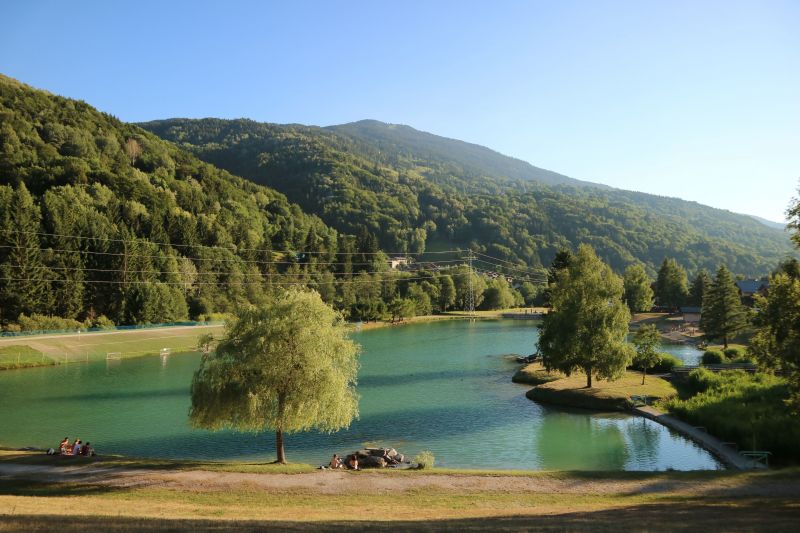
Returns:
(113, 355)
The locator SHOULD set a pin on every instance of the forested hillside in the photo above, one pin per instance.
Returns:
(415, 191)
(101, 221)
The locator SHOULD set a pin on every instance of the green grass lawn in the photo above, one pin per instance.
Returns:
(605, 395)
(60, 348)
(21, 356)
(535, 374)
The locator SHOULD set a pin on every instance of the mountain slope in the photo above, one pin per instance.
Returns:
(84, 197)
(393, 142)
(413, 189)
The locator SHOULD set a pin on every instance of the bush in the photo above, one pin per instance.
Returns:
(699, 380)
(713, 357)
(424, 459)
(749, 409)
(663, 366)
(47, 323)
(735, 353)
(666, 363)
(101, 322)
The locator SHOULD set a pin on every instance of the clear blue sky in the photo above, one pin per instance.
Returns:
(694, 99)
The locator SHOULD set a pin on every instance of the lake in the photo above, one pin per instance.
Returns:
(443, 386)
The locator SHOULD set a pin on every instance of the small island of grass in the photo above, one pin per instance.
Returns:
(603, 395)
(535, 374)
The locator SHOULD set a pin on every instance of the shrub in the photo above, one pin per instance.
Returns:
(46, 323)
(101, 322)
(735, 353)
(713, 357)
(699, 380)
(663, 366)
(749, 409)
(424, 459)
(666, 363)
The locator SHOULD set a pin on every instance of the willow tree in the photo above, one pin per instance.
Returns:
(588, 322)
(287, 366)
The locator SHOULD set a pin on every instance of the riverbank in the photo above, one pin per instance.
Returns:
(45, 350)
(604, 395)
(138, 496)
(451, 315)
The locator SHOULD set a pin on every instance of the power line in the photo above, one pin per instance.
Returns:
(228, 282)
(237, 249)
(224, 260)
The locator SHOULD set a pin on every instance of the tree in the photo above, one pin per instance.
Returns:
(776, 343)
(498, 295)
(24, 287)
(132, 149)
(401, 308)
(638, 294)
(723, 313)
(671, 284)
(699, 287)
(646, 341)
(588, 322)
(447, 292)
(286, 366)
(561, 261)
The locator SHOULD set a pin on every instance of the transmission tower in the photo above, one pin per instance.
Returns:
(471, 293)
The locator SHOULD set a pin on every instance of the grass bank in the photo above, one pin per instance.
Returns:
(449, 315)
(22, 356)
(535, 374)
(71, 348)
(174, 498)
(604, 395)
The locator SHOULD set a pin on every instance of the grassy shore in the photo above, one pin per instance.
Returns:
(535, 374)
(604, 395)
(450, 315)
(130, 495)
(42, 350)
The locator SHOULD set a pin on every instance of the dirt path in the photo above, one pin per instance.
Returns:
(330, 482)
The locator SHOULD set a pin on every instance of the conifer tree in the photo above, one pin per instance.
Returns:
(699, 287)
(671, 285)
(723, 313)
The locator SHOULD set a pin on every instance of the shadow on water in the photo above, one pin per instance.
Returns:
(418, 377)
(178, 392)
(406, 425)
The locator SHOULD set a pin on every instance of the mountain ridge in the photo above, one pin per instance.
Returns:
(412, 195)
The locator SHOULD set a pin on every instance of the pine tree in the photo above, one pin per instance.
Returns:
(25, 287)
(699, 287)
(723, 313)
(671, 285)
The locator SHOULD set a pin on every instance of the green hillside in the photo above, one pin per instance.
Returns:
(84, 197)
(414, 189)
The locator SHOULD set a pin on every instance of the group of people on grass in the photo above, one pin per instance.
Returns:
(351, 462)
(76, 448)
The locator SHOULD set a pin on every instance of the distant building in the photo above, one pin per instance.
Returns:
(691, 314)
(397, 262)
(749, 287)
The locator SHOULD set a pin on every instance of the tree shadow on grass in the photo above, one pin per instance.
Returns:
(708, 516)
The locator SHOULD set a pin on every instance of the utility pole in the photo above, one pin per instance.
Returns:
(471, 294)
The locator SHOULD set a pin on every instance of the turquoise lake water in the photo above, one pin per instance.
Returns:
(443, 387)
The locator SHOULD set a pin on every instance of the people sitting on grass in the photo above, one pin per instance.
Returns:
(352, 462)
(76, 448)
(64, 448)
(87, 450)
(336, 462)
